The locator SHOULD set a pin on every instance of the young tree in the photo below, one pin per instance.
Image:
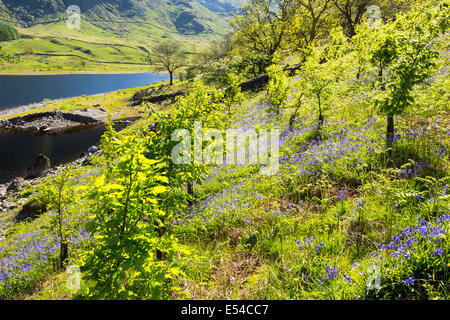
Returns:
(262, 25)
(278, 87)
(352, 12)
(406, 50)
(60, 195)
(199, 105)
(312, 20)
(317, 78)
(167, 56)
(233, 93)
(126, 222)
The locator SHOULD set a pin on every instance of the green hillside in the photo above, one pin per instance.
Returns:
(111, 31)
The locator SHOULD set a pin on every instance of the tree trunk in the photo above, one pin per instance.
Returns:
(190, 191)
(380, 78)
(390, 131)
(63, 254)
(321, 117)
(171, 77)
(160, 256)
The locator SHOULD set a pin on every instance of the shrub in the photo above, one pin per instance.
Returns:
(8, 33)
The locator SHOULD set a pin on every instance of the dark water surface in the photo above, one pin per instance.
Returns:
(22, 90)
(18, 150)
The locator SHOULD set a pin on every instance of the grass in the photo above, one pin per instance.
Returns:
(339, 215)
(101, 47)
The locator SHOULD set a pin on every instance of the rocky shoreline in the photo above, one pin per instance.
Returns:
(11, 192)
(47, 122)
(12, 198)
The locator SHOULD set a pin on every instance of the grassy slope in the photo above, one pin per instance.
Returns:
(242, 237)
(124, 40)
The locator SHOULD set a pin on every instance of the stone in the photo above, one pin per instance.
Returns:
(33, 128)
(153, 127)
(16, 185)
(86, 162)
(2, 191)
(39, 165)
(31, 209)
(44, 129)
(92, 150)
(9, 205)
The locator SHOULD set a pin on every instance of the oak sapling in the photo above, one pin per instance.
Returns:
(127, 222)
(277, 88)
(233, 93)
(59, 194)
(408, 57)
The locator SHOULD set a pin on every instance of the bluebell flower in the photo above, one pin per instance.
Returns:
(409, 281)
(331, 272)
(319, 246)
(349, 280)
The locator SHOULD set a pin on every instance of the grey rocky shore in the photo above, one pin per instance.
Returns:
(48, 122)
(52, 121)
(11, 193)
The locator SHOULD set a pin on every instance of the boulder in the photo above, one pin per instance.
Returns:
(44, 129)
(92, 150)
(2, 191)
(7, 205)
(16, 185)
(39, 165)
(33, 128)
(31, 209)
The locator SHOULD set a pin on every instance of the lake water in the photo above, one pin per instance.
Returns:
(23, 90)
(18, 150)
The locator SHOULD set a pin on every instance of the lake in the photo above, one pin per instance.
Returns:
(23, 90)
(18, 150)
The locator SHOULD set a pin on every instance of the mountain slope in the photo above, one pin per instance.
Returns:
(185, 16)
(107, 28)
